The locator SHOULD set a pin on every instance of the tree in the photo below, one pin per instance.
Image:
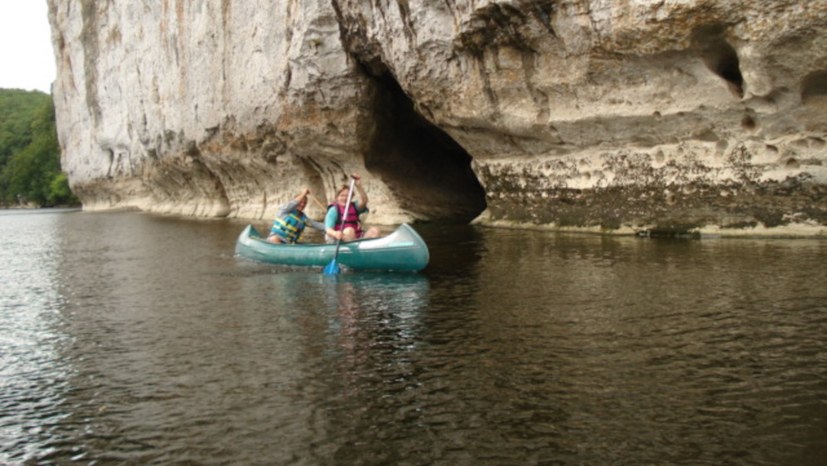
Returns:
(29, 152)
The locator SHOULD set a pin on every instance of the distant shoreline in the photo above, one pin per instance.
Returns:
(24, 208)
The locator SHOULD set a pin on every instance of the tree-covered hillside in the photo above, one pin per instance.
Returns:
(29, 153)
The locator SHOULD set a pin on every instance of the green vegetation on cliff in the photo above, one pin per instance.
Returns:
(29, 154)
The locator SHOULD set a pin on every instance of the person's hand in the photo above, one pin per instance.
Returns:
(305, 192)
(356, 178)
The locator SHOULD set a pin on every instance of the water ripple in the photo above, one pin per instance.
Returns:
(154, 345)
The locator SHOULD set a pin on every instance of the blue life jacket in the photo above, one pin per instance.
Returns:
(289, 228)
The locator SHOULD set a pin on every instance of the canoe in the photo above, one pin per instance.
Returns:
(402, 250)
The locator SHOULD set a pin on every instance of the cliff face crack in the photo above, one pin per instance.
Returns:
(427, 170)
(89, 37)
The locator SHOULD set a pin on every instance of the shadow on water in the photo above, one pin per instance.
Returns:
(454, 249)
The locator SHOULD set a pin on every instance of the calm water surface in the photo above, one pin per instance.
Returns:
(127, 338)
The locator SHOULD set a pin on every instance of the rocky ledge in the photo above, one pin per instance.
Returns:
(653, 116)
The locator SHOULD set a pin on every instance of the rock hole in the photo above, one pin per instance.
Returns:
(110, 156)
(720, 57)
(429, 172)
(814, 85)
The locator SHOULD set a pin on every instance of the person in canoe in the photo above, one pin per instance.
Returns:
(351, 229)
(290, 221)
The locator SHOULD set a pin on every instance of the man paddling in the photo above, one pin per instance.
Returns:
(290, 221)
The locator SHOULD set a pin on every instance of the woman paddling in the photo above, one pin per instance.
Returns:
(351, 228)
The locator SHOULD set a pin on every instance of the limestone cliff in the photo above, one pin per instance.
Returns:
(600, 115)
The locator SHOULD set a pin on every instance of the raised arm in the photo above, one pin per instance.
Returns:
(288, 206)
(363, 196)
(302, 195)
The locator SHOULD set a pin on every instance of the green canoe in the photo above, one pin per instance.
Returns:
(402, 250)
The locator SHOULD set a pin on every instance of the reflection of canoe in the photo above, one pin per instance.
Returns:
(403, 250)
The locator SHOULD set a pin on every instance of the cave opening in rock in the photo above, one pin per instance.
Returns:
(720, 57)
(428, 172)
(814, 85)
(723, 61)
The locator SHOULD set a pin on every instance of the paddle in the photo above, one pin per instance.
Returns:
(318, 202)
(333, 268)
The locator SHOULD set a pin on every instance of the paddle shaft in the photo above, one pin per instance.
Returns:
(344, 216)
(318, 202)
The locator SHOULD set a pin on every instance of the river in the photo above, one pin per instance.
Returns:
(131, 338)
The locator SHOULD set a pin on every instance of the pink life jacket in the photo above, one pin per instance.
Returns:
(351, 219)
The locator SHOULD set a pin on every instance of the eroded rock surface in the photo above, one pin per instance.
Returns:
(613, 116)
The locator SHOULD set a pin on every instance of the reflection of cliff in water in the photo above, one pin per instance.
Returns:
(454, 249)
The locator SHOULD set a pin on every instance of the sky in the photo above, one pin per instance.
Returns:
(27, 60)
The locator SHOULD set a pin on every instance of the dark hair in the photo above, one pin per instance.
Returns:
(343, 187)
